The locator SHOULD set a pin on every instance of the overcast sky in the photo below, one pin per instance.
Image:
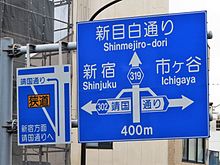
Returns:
(213, 13)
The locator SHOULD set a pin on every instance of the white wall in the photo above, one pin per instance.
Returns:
(130, 153)
(214, 140)
(125, 8)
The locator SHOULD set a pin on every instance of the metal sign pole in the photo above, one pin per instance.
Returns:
(6, 86)
(28, 56)
(60, 53)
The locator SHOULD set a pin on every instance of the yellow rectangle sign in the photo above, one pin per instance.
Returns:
(39, 100)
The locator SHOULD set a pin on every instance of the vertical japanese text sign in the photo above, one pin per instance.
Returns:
(44, 104)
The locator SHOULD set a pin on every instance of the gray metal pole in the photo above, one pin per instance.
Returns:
(28, 55)
(47, 48)
(60, 53)
(6, 86)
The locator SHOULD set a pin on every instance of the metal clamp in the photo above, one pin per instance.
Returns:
(11, 126)
(13, 50)
(62, 46)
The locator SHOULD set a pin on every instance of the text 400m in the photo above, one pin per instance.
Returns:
(136, 130)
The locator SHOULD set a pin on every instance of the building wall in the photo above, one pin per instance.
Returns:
(130, 153)
(126, 8)
(175, 153)
(123, 153)
(214, 141)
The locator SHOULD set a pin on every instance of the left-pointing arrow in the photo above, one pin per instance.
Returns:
(89, 107)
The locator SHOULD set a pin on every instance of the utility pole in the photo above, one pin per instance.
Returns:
(6, 87)
(9, 50)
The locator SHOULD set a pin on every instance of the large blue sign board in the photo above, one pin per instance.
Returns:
(43, 95)
(143, 78)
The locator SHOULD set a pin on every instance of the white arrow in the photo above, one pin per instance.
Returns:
(135, 61)
(89, 107)
(124, 108)
(182, 102)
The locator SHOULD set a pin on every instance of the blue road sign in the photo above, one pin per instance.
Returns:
(43, 95)
(143, 78)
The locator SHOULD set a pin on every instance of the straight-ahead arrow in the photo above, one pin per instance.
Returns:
(181, 102)
(135, 61)
(89, 107)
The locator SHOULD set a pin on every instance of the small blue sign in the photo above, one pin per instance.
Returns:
(44, 105)
(143, 78)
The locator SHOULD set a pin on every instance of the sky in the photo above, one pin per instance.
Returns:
(213, 13)
(60, 13)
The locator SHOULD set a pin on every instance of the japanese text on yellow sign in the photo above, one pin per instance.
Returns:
(39, 100)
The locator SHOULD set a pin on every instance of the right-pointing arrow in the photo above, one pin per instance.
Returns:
(89, 107)
(181, 102)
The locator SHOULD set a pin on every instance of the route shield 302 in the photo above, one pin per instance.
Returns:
(143, 78)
